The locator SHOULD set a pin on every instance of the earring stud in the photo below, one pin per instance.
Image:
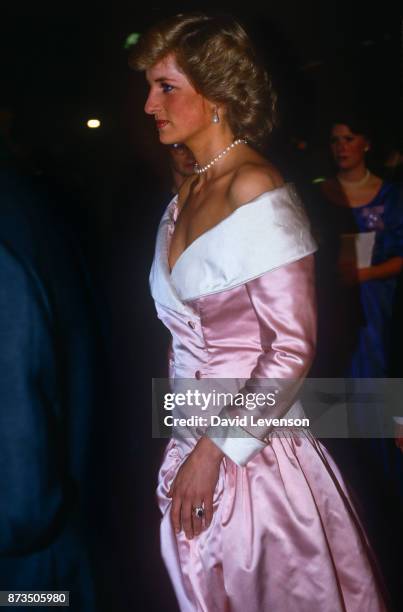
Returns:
(216, 118)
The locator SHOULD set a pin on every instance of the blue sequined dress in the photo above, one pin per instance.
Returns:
(358, 324)
(355, 327)
(384, 216)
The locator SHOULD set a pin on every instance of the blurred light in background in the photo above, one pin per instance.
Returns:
(131, 40)
(93, 123)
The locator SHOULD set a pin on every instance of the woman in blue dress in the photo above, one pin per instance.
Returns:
(362, 258)
(364, 204)
(364, 241)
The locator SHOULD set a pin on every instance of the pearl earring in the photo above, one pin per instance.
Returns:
(216, 118)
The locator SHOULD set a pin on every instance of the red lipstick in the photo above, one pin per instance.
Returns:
(161, 124)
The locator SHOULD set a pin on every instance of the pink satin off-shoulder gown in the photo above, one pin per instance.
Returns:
(240, 304)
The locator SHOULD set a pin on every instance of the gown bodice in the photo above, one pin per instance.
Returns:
(240, 300)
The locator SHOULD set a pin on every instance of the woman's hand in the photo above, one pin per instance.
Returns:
(348, 274)
(194, 486)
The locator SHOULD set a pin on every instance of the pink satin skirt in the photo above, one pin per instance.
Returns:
(284, 537)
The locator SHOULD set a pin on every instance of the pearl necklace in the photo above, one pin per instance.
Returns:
(201, 169)
(355, 183)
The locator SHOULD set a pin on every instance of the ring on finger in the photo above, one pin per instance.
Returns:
(198, 511)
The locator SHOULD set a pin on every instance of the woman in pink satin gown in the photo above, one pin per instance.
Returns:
(252, 519)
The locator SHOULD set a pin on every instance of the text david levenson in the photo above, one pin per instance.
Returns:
(244, 421)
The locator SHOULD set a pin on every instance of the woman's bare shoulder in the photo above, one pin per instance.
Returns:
(252, 179)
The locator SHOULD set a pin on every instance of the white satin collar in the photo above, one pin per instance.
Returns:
(269, 231)
(162, 288)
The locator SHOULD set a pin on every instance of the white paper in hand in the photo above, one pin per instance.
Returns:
(356, 249)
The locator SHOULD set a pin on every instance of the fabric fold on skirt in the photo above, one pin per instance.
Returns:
(284, 536)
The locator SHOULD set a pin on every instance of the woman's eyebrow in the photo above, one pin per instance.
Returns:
(161, 79)
(165, 78)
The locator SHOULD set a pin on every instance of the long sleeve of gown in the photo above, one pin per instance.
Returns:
(284, 303)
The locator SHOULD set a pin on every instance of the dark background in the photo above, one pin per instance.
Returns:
(63, 63)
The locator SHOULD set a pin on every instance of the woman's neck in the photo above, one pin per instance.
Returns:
(209, 144)
(355, 175)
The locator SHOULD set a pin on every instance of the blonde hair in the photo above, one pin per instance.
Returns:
(219, 59)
